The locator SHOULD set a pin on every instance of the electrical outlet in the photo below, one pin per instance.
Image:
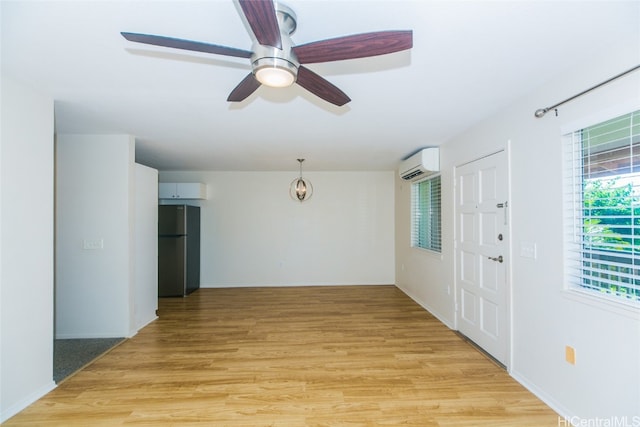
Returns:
(570, 354)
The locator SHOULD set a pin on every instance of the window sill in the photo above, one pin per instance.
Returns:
(612, 304)
(429, 252)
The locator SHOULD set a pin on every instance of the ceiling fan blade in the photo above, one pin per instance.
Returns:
(246, 87)
(321, 87)
(261, 15)
(186, 44)
(354, 46)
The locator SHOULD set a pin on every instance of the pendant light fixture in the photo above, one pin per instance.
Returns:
(301, 189)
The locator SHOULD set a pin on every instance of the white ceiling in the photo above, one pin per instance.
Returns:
(470, 59)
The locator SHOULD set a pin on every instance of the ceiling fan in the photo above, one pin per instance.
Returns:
(277, 62)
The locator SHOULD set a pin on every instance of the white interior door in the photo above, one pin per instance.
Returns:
(482, 235)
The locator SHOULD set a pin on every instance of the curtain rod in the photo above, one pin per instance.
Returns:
(542, 111)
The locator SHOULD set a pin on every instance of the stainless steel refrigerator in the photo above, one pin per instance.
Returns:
(178, 250)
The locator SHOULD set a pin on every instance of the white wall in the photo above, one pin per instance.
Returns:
(545, 318)
(26, 249)
(94, 203)
(146, 246)
(254, 234)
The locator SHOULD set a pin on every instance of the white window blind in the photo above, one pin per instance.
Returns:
(425, 213)
(602, 208)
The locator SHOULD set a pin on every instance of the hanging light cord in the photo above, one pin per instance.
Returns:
(542, 111)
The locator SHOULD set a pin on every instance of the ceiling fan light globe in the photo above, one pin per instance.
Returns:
(275, 71)
(275, 76)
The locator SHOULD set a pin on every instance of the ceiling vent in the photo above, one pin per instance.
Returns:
(422, 164)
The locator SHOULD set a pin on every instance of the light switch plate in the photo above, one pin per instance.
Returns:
(93, 244)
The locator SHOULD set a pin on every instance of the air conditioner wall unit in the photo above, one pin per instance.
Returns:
(422, 164)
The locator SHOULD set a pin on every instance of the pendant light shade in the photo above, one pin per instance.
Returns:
(301, 189)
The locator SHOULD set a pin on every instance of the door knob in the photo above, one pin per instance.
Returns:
(498, 258)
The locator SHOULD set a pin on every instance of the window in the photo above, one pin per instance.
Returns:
(425, 213)
(602, 208)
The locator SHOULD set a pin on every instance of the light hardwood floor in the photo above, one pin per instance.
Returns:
(303, 356)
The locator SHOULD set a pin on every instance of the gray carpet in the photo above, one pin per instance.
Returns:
(71, 355)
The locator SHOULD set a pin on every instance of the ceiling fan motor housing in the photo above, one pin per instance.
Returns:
(269, 57)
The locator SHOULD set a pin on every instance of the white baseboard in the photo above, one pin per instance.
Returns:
(146, 323)
(563, 413)
(427, 307)
(287, 285)
(26, 401)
